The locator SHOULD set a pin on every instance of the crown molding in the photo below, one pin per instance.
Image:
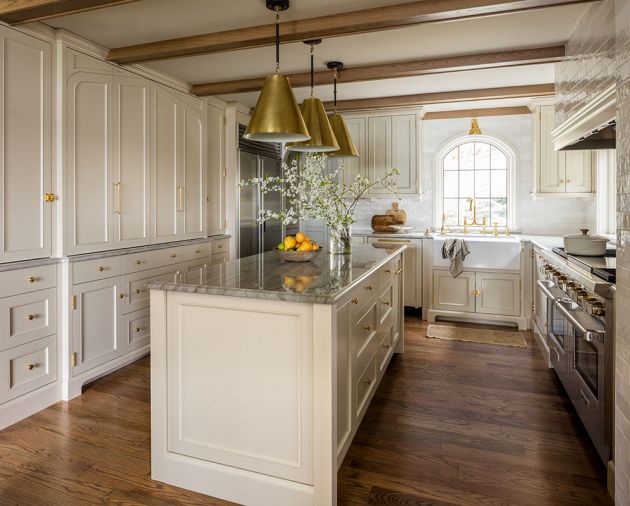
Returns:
(215, 102)
(35, 29)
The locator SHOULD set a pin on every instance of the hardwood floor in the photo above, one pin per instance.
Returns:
(453, 423)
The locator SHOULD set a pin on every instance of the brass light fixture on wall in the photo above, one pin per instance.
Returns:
(342, 134)
(322, 136)
(277, 117)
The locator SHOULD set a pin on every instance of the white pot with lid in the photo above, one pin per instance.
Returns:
(584, 244)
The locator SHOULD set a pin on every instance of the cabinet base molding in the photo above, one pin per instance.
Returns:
(72, 387)
(29, 404)
(522, 322)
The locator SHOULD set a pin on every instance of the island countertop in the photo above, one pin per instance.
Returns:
(265, 276)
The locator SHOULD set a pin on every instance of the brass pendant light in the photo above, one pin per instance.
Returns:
(277, 117)
(322, 137)
(474, 128)
(342, 134)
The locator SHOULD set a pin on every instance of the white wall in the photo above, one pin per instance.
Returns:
(545, 215)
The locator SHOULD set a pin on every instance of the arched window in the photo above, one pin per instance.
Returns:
(475, 167)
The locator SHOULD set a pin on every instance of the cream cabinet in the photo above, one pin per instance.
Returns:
(178, 166)
(26, 134)
(559, 171)
(492, 293)
(215, 194)
(384, 142)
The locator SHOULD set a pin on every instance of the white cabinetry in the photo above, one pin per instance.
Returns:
(215, 176)
(384, 142)
(26, 136)
(567, 172)
(492, 293)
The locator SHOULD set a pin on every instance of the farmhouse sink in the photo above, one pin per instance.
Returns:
(485, 252)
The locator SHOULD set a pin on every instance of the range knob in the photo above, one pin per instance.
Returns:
(581, 294)
(597, 308)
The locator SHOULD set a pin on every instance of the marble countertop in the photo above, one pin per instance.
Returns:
(320, 281)
(29, 264)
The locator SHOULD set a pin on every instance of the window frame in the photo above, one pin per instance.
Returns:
(438, 176)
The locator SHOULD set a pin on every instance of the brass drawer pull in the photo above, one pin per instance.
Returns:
(398, 271)
(354, 300)
(30, 316)
(368, 287)
(197, 251)
(387, 271)
(100, 268)
(386, 302)
(138, 290)
(477, 292)
(121, 295)
(219, 246)
(387, 346)
(137, 329)
(173, 255)
(367, 327)
(30, 367)
(31, 279)
(138, 262)
(368, 381)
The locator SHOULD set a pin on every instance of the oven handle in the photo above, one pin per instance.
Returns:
(589, 335)
(541, 284)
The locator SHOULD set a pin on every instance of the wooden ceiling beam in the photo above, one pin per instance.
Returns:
(345, 23)
(443, 97)
(477, 113)
(15, 12)
(509, 58)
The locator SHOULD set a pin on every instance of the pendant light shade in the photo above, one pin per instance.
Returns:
(322, 136)
(474, 128)
(347, 149)
(277, 117)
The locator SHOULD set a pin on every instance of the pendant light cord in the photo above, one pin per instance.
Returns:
(312, 67)
(277, 40)
(335, 91)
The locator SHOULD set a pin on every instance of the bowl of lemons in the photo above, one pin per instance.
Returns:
(297, 248)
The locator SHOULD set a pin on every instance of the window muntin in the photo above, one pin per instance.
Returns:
(480, 170)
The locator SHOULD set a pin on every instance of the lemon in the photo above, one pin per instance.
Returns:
(299, 237)
(305, 246)
(289, 242)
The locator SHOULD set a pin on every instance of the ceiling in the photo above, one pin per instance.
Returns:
(152, 20)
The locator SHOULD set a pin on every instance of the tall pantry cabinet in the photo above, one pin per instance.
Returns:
(26, 137)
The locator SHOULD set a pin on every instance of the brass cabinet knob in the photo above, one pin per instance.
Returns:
(386, 302)
(197, 251)
(100, 268)
(30, 367)
(173, 255)
(138, 290)
(368, 287)
(477, 292)
(138, 262)
(354, 300)
(31, 279)
(368, 381)
(367, 327)
(30, 316)
(137, 329)
(387, 346)
(219, 246)
(121, 295)
(387, 271)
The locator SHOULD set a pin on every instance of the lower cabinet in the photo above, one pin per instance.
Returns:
(477, 292)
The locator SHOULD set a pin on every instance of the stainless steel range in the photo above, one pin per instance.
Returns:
(580, 336)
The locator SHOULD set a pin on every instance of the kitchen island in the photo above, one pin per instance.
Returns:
(261, 371)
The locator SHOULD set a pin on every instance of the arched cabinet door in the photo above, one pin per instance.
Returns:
(26, 137)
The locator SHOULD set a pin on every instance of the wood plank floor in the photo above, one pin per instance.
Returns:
(453, 423)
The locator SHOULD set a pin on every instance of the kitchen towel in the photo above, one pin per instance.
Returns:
(456, 251)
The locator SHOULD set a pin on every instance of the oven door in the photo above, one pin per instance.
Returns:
(587, 372)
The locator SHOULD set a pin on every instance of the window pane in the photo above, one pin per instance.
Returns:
(451, 181)
(451, 161)
(482, 184)
(483, 210)
(482, 156)
(467, 156)
(466, 183)
(451, 210)
(499, 160)
(499, 212)
(499, 183)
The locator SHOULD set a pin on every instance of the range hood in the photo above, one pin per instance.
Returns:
(591, 127)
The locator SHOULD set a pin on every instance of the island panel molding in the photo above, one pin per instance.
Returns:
(508, 58)
(346, 23)
(443, 97)
(25, 11)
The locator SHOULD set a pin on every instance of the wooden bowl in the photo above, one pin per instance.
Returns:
(297, 256)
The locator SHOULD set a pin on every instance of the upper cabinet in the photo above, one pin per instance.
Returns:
(215, 193)
(384, 142)
(569, 172)
(26, 136)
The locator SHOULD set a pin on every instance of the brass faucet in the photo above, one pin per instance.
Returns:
(473, 208)
(465, 225)
(444, 229)
(495, 225)
(484, 224)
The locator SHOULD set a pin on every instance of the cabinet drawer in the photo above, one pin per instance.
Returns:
(136, 262)
(135, 293)
(364, 294)
(219, 258)
(27, 317)
(136, 329)
(195, 251)
(385, 304)
(385, 348)
(363, 337)
(364, 386)
(220, 246)
(27, 280)
(92, 270)
(387, 273)
(28, 367)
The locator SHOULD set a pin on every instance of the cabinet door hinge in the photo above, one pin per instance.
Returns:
(224, 172)
(73, 359)
(73, 302)
(49, 197)
(533, 308)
